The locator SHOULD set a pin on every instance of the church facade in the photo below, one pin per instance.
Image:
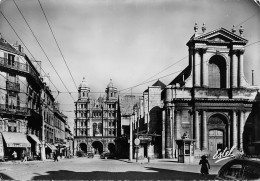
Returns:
(96, 120)
(210, 100)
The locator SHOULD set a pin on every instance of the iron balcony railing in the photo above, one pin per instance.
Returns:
(4, 108)
(23, 67)
(12, 86)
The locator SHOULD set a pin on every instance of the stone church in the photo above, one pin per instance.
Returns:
(210, 100)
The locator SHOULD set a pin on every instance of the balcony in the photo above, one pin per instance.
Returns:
(12, 86)
(18, 66)
(8, 109)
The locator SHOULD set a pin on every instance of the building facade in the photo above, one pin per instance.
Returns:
(27, 119)
(96, 120)
(210, 100)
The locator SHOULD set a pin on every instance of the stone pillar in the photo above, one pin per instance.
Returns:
(203, 73)
(197, 130)
(163, 133)
(234, 69)
(234, 126)
(241, 129)
(168, 141)
(197, 68)
(228, 144)
(172, 132)
(178, 125)
(205, 131)
(241, 68)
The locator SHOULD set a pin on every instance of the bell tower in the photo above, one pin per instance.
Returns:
(83, 90)
(111, 91)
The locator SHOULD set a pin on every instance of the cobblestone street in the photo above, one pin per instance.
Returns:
(102, 169)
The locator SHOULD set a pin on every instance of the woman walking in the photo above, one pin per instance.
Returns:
(204, 166)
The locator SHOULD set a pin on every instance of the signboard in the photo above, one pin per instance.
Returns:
(145, 138)
(137, 141)
(18, 145)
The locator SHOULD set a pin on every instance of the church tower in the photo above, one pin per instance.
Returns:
(83, 90)
(111, 91)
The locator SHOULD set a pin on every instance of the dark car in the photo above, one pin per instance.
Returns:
(90, 155)
(240, 169)
(106, 155)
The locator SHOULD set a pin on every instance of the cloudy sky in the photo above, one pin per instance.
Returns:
(128, 41)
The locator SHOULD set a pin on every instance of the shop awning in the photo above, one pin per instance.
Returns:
(35, 138)
(16, 139)
(52, 147)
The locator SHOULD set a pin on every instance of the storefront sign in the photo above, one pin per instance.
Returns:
(17, 145)
(145, 138)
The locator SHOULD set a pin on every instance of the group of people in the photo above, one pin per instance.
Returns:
(24, 156)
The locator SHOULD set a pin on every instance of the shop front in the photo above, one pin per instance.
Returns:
(15, 144)
(50, 149)
(35, 146)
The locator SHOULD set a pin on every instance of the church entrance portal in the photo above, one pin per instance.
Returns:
(83, 147)
(215, 141)
(98, 147)
(217, 132)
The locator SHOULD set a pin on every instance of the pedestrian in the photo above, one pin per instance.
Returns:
(56, 157)
(14, 155)
(204, 166)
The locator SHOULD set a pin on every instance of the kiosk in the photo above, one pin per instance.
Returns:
(185, 149)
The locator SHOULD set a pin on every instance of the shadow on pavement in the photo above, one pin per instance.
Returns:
(151, 174)
(5, 177)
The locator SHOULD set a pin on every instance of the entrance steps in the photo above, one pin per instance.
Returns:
(96, 156)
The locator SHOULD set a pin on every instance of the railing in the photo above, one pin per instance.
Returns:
(14, 109)
(18, 66)
(12, 86)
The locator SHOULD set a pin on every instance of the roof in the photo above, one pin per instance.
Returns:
(159, 84)
(4, 45)
(220, 35)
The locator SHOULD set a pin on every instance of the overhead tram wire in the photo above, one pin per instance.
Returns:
(43, 50)
(25, 47)
(57, 43)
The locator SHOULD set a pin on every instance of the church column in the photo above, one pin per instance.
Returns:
(163, 133)
(241, 129)
(172, 132)
(205, 130)
(168, 149)
(196, 69)
(197, 130)
(234, 68)
(241, 68)
(234, 126)
(178, 125)
(204, 74)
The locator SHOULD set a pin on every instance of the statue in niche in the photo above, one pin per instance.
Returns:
(186, 135)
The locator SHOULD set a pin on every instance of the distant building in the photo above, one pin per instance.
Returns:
(96, 120)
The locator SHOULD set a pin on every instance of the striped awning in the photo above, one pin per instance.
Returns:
(52, 147)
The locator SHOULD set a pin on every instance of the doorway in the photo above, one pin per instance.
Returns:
(216, 141)
(98, 147)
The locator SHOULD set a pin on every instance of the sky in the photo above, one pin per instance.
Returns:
(128, 41)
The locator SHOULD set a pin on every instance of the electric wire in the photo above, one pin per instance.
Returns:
(25, 46)
(57, 44)
(42, 49)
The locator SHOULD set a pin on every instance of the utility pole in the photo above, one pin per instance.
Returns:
(252, 77)
(43, 156)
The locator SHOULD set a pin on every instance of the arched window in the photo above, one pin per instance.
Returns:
(217, 72)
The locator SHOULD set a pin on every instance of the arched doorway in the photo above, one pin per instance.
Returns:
(98, 147)
(217, 132)
(217, 69)
(83, 147)
(111, 148)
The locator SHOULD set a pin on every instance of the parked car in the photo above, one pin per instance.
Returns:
(90, 155)
(106, 155)
(240, 169)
